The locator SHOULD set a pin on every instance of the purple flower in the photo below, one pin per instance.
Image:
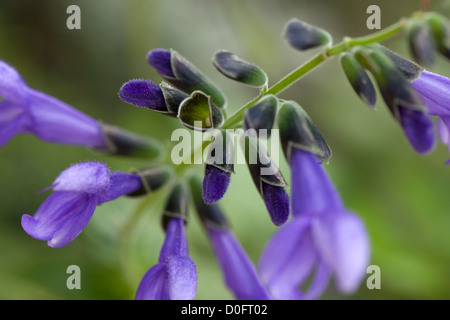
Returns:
(433, 89)
(175, 276)
(77, 192)
(238, 270)
(418, 128)
(323, 238)
(25, 110)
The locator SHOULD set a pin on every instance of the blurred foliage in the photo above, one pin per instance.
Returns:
(402, 197)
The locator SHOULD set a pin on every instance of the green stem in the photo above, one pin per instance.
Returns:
(314, 62)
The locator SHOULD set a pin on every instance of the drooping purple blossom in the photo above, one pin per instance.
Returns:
(25, 110)
(78, 190)
(433, 89)
(175, 276)
(238, 270)
(323, 239)
(418, 128)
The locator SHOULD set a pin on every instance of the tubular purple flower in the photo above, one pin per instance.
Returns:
(433, 89)
(25, 110)
(322, 239)
(77, 192)
(175, 276)
(238, 270)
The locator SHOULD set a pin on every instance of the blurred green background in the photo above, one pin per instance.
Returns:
(402, 197)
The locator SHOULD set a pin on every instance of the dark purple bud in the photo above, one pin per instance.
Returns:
(152, 179)
(176, 205)
(215, 184)
(440, 29)
(160, 59)
(211, 216)
(262, 115)
(402, 99)
(410, 70)
(303, 36)
(267, 178)
(358, 79)
(277, 203)
(421, 44)
(418, 128)
(125, 143)
(297, 130)
(143, 93)
(236, 68)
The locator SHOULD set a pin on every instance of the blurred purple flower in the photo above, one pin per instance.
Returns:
(239, 271)
(175, 276)
(322, 239)
(434, 90)
(25, 110)
(78, 190)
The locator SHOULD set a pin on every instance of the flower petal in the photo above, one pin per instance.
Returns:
(182, 278)
(239, 272)
(12, 121)
(74, 224)
(56, 122)
(288, 259)
(444, 129)
(418, 128)
(121, 184)
(175, 243)
(60, 218)
(312, 190)
(343, 243)
(153, 285)
(12, 86)
(319, 282)
(433, 89)
(89, 177)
